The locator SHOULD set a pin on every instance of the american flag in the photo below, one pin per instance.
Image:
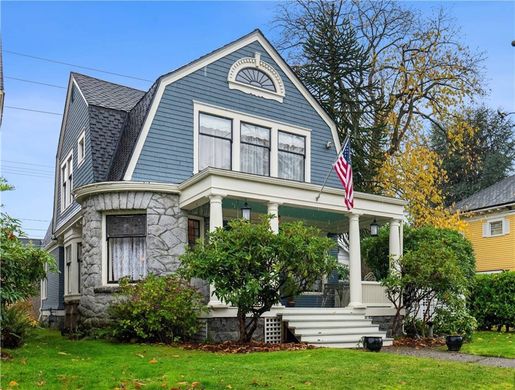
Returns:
(343, 169)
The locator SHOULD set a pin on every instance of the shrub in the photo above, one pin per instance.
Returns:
(492, 300)
(454, 320)
(15, 323)
(158, 308)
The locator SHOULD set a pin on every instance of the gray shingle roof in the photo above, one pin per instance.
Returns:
(501, 193)
(106, 94)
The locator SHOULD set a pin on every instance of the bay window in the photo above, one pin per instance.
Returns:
(215, 141)
(126, 247)
(291, 156)
(255, 149)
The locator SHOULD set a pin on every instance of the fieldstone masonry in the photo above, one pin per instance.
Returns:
(166, 239)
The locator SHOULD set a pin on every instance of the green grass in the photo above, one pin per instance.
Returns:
(498, 344)
(49, 361)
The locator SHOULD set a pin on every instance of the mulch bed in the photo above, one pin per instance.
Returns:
(419, 343)
(236, 347)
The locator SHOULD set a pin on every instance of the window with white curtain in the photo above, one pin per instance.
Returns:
(126, 246)
(67, 182)
(215, 139)
(255, 149)
(291, 156)
(68, 260)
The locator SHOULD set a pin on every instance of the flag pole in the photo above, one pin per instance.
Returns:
(331, 169)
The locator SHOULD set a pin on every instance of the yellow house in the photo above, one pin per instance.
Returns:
(489, 214)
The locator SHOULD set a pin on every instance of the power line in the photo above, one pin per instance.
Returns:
(29, 174)
(40, 230)
(34, 82)
(24, 170)
(77, 66)
(27, 163)
(34, 220)
(29, 109)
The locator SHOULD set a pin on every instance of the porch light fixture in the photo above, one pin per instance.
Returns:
(374, 229)
(245, 211)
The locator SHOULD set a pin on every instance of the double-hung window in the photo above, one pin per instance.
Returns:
(255, 149)
(194, 231)
(126, 246)
(215, 142)
(79, 264)
(291, 156)
(67, 182)
(68, 261)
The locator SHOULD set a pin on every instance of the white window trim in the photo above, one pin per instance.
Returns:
(487, 232)
(257, 63)
(104, 241)
(81, 156)
(238, 117)
(64, 204)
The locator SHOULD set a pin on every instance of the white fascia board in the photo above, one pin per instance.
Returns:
(199, 64)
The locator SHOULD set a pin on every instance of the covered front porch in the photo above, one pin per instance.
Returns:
(216, 196)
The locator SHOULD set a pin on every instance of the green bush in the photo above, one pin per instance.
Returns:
(454, 320)
(156, 309)
(492, 299)
(375, 249)
(15, 323)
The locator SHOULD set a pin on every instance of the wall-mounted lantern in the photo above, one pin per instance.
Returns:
(374, 229)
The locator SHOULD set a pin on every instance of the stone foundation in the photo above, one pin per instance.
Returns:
(166, 239)
(227, 328)
(385, 324)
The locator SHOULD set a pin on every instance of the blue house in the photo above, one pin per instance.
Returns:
(142, 174)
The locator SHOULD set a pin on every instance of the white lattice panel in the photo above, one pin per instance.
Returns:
(273, 330)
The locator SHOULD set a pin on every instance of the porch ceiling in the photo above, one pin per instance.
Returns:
(288, 194)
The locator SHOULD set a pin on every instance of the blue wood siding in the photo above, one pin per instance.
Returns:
(55, 284)
(167, 154)
(77, 120)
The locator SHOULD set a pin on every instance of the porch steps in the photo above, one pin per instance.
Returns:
(334, 328)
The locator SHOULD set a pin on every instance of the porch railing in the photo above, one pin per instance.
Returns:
(374, 293)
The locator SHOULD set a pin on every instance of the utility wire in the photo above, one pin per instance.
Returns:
(27, 163)
(77, 66)
(29, 109)
(34, 220)
(34, 82)
(28, 174)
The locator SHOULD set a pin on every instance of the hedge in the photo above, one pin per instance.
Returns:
(492, 300)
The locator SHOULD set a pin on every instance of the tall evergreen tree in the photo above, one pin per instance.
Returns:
(481, 157)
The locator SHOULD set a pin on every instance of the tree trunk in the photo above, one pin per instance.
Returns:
(242, 323)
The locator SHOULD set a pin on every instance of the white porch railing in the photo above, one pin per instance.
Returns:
(374, 294)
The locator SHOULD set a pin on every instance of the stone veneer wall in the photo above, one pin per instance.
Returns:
(166, 239)
(385, 324)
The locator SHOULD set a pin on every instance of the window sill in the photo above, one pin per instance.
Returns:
(107, 289)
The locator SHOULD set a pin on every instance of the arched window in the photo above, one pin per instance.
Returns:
(256, 77)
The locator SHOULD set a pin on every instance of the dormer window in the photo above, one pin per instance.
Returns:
(256, 77)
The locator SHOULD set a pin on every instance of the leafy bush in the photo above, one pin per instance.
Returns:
(454, 320)
(15, 323)
(375, 249)
(252, 268)
(492, 299)
(158, 308)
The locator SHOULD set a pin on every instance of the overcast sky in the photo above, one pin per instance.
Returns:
(145, 40)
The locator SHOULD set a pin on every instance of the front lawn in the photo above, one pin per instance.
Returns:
(49, 361)
(498, 344)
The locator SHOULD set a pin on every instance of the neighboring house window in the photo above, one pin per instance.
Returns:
(193, 231)
(79, 264)
(67, 182)
(68, 275)
(215, 142)
(81, 148)
(292, 155)
(496, 227)
(255, 149)
(126, 246)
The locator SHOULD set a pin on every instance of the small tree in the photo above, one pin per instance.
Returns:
(253, 269)
(430, 273)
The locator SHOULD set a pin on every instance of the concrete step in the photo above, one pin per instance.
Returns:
(336, 331)
(319, 310)
(322, 317)
(339, 338)
(294, 324)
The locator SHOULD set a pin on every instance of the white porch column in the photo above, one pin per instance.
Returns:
(273, 209)
(216, 219)
(394, 244)
(356, 299)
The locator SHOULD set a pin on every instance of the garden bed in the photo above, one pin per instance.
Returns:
(236, 347)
